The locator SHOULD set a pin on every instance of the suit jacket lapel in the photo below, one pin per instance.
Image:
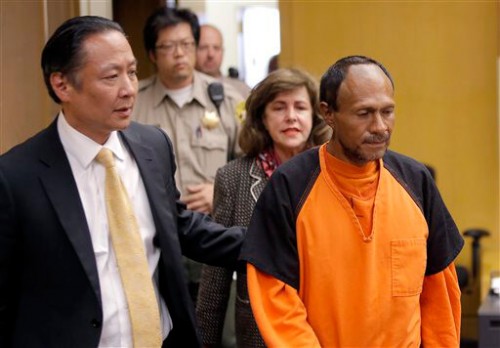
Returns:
(62, 191)
(259, 180)
(149, 169)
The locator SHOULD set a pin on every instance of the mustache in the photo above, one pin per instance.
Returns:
(377, 138)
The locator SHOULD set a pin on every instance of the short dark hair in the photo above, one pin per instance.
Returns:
(254, 138)
(165, 17)
(333, 77)
(63, 51)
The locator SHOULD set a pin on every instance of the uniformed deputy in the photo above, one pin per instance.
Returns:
(209, 54)
(177, 99)
(202, 139)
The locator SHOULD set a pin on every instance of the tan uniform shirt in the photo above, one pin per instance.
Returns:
(200, 148)
(239, 85)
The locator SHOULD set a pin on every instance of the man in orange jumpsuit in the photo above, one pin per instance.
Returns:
(351, 245)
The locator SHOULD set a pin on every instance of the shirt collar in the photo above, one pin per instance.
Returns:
(199, 90)
(82, 148)
(159, 91)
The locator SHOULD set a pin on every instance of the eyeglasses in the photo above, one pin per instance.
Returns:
(169, 48)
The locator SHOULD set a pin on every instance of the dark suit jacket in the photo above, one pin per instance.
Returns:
(238, 185)
(49, 285)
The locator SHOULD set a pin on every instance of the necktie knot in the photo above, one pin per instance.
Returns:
(105, 157)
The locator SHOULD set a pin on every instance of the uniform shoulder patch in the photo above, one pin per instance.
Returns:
(240, 112)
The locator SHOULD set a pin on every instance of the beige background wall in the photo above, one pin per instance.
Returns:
(25, 106)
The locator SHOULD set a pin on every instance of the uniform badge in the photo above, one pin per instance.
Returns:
(240, 112)
(210, 120)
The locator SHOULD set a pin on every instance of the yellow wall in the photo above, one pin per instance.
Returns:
(443, 58)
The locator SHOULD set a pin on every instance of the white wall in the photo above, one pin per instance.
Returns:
(226, 16)
(103, 8)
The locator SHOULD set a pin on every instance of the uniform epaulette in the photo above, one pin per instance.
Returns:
(145, 83)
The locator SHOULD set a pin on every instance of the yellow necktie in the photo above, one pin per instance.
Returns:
(131, 258)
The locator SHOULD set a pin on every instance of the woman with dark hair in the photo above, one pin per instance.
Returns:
(282, 120)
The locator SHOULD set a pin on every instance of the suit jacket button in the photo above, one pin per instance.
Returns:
(95, 323)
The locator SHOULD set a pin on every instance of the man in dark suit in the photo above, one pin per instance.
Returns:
(59, 284)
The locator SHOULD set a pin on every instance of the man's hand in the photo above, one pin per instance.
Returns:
(200, 197)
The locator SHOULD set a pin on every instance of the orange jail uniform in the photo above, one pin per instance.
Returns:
(321, 274)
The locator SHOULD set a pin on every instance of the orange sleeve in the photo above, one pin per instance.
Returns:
(440, 309)
(278, 311)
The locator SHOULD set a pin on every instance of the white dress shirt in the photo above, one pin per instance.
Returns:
(90, 176)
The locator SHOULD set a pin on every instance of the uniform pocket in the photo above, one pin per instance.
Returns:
(210, 150)
(408, 260)
(210, 140)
